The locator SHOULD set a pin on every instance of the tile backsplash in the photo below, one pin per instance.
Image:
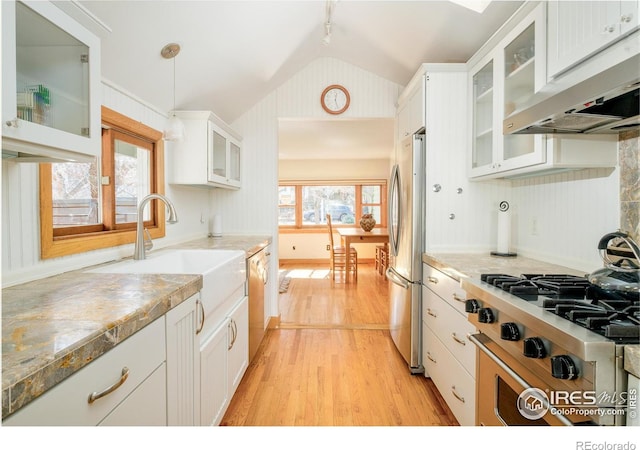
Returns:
(629, 160)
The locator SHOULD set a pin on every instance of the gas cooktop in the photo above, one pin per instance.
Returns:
(614, 315)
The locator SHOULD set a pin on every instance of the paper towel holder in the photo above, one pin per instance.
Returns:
(503, 209)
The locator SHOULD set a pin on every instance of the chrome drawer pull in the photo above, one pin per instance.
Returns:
(456, 395)
(97, 395)
(200, 306)
(457, 339)
(432, 280)
(431, 358)
(431, 313)
(457, 298)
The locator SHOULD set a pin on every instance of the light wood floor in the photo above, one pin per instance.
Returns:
(332, 361)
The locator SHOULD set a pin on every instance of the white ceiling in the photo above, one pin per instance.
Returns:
(235, 52)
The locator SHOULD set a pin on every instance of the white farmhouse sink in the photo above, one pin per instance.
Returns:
(223, 271)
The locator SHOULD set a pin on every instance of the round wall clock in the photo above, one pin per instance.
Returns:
(335, 99)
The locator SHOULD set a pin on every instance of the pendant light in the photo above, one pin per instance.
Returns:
(174, 129)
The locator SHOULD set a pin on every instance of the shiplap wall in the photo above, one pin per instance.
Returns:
(252, 209)
(571, 211)
(20, 218)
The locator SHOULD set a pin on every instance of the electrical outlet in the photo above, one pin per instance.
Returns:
(328, 248)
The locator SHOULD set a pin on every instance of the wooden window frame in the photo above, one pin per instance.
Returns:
(94, 237)
(299, 227)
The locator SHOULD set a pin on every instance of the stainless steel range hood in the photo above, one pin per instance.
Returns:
(605, 103)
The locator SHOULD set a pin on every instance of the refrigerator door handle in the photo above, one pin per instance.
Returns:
(395, 213)
(398, 279)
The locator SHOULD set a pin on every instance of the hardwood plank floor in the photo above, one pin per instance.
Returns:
(332, 361)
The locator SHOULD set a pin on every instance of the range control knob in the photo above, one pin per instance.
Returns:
(471, 306)
(509, 332)
(534, 348)
(485, 315)
(563, 367)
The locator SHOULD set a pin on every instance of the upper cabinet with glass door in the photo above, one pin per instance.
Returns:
(500, 84)
(50, 84)
(209, 155)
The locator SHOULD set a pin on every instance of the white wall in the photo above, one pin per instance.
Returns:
(20, 217)
(571, 211)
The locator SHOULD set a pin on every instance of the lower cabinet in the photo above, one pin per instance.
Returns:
(183, 362)
(125, 386)
(224, 357)
(449, 358)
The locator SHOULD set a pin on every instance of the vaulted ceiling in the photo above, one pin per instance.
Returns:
(235, 52)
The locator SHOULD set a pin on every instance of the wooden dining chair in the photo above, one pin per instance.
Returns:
(338, 255)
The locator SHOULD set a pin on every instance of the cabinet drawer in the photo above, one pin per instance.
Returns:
(445, 286)
(454, 383)
(67, 403)
(451, 327)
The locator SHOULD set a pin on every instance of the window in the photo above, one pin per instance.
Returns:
(303, 205)
(87, 206)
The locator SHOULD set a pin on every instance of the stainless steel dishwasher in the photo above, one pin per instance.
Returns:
(258, 269)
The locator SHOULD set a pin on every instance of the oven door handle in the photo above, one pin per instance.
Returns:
(474, 338)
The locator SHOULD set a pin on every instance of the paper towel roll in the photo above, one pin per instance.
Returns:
(217, 226)
(504, 232)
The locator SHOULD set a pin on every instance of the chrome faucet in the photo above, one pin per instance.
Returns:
(139, 251)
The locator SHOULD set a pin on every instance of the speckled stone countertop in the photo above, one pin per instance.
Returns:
(53, 327)
(460, 265)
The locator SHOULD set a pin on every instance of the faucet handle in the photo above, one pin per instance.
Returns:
(148, 243)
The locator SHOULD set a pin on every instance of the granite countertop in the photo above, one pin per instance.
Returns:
(460, 265)
(54, 326)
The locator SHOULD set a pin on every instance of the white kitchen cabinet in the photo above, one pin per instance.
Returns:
(183, 362)
(50, 85)
(238, 338)
(500, 83)
(214, 392)
(579, 29)
(135, 369)
(224, 357)
(210, 153)
(411, 109)
(448, 356)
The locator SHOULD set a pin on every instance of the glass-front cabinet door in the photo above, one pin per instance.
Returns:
(51, 76)
(234, 163)
(218, 156)
(502, 84)
(523, 74)
(482, 146)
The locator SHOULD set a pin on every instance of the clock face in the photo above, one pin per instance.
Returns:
(335, 99)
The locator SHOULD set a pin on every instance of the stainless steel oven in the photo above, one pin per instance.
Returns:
(538, 364)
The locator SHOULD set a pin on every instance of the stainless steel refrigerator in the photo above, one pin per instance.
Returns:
(406, 242)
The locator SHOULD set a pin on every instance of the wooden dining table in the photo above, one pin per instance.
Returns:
(359, 236)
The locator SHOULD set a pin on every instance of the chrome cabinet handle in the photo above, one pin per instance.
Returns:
(234, 333)
(456, 395)
(432, 280)
(457, 339)
(13, 123)
(626, 18)
(431, 313)
(431, 358)
(200, 306)
(457, 298)
(97, 395)
(609, 29)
